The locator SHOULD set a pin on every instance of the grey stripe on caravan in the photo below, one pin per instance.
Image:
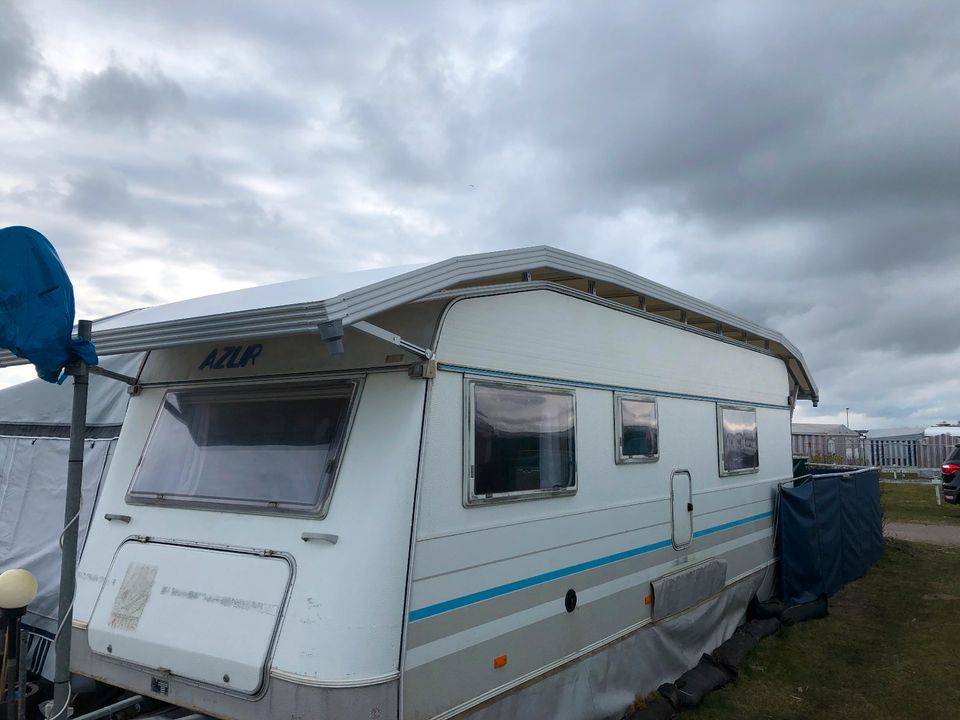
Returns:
(737, 552)
(463, 675)
(438, 626)
(558, 546)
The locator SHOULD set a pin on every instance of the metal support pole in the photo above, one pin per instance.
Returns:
(71, 515)
(109, 710)
(21, 673)
(12, 642)
(16, 666)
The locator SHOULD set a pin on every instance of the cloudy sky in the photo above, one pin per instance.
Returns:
(796, 163)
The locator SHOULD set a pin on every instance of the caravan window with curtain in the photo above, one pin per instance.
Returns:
(521, 442)
(271, 448)
(638, 435)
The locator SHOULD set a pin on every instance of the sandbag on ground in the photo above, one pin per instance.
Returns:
(690, 688)
(813, 610)
(658, 708)
(757, 610)
(760, 628)
(734, 651)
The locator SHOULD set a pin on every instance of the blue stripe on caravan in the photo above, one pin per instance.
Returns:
(531, 581)
(601, 386)
(447, 605)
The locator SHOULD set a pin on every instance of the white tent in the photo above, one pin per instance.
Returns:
(34, 443)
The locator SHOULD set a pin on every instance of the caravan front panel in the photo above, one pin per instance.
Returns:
(280, 501)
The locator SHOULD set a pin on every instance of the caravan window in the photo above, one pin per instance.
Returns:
(273, 448)
(737, 428)
(521, 442)
(638, 436)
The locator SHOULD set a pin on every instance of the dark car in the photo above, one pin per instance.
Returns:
(950, 476)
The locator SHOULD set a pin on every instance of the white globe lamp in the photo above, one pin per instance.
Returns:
(18, 588)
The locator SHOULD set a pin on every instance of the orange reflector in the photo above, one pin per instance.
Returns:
(499, 662)
(648, 600)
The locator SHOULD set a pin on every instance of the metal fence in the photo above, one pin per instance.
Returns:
(924, 452)
(849, 449)
(916, 452)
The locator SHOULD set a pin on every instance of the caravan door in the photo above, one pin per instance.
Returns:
(681, 498)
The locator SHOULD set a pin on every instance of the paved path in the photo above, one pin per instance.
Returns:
(915, 532)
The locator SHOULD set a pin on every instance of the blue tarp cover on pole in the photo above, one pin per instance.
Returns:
(829, 532)
(36, 305)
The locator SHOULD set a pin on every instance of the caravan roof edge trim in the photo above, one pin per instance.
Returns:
(129, 334)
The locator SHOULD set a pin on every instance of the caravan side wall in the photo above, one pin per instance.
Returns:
(490, 582)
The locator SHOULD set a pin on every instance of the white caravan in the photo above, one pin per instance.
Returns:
(522, 482)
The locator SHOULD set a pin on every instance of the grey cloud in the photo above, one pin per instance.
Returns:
(38, 194)
(118, 96)
(19, 58)
(795, 163)
(103, 197)
(196, 176)
(127, 286)
(882, 385)
(251, 105)
(414, 120)
(769, 112)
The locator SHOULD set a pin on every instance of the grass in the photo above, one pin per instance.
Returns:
(899, 475)
(887, 650)
(916, 504)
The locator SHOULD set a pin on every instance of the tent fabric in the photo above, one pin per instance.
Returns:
(34, 449)
(36, 304)
(32, 484)
(829, 531)
(43, 406)
(32, 430)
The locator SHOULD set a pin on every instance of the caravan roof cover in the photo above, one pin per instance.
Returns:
(298, 307)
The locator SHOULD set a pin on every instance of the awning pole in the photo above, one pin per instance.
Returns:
(71, 516)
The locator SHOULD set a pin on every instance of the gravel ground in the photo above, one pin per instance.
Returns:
(915, 532)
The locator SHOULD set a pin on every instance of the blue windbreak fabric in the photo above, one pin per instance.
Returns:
(36, 305)
(827, 497)
(852, 528)
(868, 490)
(801, 576)
(829, 532)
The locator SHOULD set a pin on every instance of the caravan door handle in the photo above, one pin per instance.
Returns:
(321, 537)
(689, 507)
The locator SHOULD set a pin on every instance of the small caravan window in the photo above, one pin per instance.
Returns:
(521, 442)
(270, 448)
(637, 432)
(737, 428)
